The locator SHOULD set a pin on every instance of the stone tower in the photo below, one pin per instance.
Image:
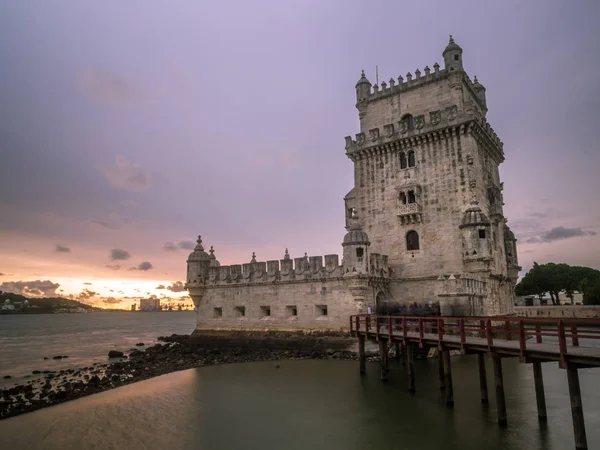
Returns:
(427, 189)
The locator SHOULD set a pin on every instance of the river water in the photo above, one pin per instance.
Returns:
(300, 405)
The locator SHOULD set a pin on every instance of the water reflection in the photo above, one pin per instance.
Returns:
(311, 404)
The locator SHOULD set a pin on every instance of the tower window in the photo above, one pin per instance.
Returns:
(402, 198)
(481, 234)
(455, 57)
(359, 252)
(351, 213)
(265, 311)
(321, 310)
(412, 240)
(217, 313)
(403, 163)
(291, 311)
(411, 197)
(240, 311)
(411, 159)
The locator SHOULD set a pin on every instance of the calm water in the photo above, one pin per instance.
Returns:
(308, 405)
(85, 338)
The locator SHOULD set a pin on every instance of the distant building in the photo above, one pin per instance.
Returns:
(150, 304)
(133, 307)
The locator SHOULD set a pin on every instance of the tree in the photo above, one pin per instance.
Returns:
(556, 278)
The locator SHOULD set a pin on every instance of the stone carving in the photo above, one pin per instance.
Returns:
(419, 122)
(469, 160)
(374, 134)
(472, 184)
(403, 126)
(360, 139)
(389, 130)
(452, 112)
(435, 117)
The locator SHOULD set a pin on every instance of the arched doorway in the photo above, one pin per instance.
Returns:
(381, 303)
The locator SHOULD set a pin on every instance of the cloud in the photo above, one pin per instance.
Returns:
(111, 300)
(171, 246)
(119, 254)
(62, 249)
(86, 294)
(107, 87)
(560, 233)
(113, 267)
(177, 286)
(116, 222)
(87, 283)
(160, 286)
(31, 288)
(144, 266)
(127, 176)
(2, 274)
(187, 245)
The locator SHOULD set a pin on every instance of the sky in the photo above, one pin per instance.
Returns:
(129, 128)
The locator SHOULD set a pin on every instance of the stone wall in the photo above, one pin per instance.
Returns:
(325, 304)
(559, 312)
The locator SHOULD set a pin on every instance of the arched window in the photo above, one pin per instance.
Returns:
(411, 159)
(411, 197)
(403, 160)
(412, 240)
(403, 198)
(409, 121)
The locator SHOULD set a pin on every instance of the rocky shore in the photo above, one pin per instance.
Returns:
(177, 352)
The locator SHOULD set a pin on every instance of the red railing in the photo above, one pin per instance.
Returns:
(561, 332)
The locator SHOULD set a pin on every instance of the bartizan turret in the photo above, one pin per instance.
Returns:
(453, 57)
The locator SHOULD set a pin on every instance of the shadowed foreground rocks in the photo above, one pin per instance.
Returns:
(179, 352)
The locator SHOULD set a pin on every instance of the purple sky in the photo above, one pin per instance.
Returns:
(130, 125)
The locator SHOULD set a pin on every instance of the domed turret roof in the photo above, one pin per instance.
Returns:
(213, 258)
(474, 216)
(363, 80)
(451, 46)
(356, 235)
(199, 254)
(477, 85)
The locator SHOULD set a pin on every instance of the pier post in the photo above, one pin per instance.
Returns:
(576, 408)
(397, 347)
(411, 367)
(538, 378)
(441, 373)
(402, 354)
(362, 356)
(500, 400)
(383, 358)
(482, 377)
(448, 378)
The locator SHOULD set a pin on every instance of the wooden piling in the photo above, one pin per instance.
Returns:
(500, 400)
(539, 391)
(576, 408)
(397, 348)
(411, 367)
(448, 378)
(383, 359)
(441, 373)
(482, 377)
(362, 356)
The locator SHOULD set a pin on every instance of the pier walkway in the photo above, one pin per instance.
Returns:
(573, 343)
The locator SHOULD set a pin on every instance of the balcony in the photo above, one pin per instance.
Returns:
(409, 213)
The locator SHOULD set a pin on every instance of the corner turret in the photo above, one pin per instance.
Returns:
(453, 56)
(198, 263)
(363, 90)
(356, 244)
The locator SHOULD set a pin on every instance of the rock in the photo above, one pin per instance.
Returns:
(45, 357)
(6, 377)
(115, 354)
(277, 366)
(57, 357)
(140, 344)
(35, 372)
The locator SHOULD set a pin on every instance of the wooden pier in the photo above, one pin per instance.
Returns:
(533, 341)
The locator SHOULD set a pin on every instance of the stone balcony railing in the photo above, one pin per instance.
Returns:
(409, 213)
